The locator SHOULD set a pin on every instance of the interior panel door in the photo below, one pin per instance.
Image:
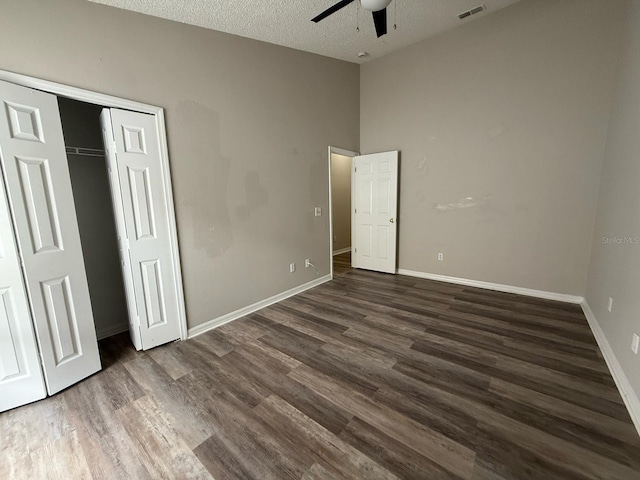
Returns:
(35, 167)
(21, 379)
(146, 223)
(375, 201)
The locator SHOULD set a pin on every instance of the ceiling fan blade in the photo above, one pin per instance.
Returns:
(380, 22)
(331, 10)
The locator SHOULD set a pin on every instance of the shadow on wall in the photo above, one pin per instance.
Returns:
(205, 191)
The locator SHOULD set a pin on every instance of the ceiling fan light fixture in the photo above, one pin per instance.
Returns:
(374, 5)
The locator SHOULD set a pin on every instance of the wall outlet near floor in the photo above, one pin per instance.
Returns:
(635, 343)
(610, 304)
(440, 256)
(318, 211)
(292, 267)
(307, 263)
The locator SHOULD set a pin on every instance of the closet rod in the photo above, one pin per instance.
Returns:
(90, 152)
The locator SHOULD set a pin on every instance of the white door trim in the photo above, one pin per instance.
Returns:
(116, 102)
(346, 153)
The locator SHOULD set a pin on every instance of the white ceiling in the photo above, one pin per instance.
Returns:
(288, 23)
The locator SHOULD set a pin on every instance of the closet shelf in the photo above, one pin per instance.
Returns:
(90, 152)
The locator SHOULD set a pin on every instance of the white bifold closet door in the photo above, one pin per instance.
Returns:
(38, 187)
(21, 379)
(137, 182)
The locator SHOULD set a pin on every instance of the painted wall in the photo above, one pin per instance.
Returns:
(615, 256)
(92, 198)
(341, 199)
(501, 125)
(248, 128)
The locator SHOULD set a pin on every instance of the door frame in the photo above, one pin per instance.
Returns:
(345, 153)
(110, 101)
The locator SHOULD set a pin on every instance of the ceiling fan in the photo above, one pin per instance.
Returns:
(378, 9)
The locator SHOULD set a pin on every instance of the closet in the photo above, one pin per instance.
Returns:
(87, 241)
(95, 216)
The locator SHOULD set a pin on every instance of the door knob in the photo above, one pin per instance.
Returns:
(391, 220)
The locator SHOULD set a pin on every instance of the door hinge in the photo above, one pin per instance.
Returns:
(356, 250)
(355, 169)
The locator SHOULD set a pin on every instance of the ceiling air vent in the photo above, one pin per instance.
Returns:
(473, 11)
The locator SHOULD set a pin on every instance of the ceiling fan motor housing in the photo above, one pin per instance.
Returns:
(374, 5)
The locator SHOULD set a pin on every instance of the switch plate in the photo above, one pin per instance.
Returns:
(318, 211)
(292, 267)
(440, 256)
(610, 304)
(635, 342)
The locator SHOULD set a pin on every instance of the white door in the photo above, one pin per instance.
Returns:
(149, 271)
(375, 200)
(116, 199)
(20, 374)
(39, 191)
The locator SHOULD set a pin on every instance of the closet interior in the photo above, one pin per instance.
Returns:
(94, 209)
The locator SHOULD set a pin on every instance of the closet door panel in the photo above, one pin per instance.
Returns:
(146, 224)
(39, 190)
(21, 378)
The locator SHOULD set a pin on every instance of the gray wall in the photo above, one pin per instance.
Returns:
(94, 209)
(341, 200)
(501, 125)
(615, 256)
(248, 128)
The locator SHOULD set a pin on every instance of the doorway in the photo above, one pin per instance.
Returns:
(340, 184)
(94, 211)
(372, 205)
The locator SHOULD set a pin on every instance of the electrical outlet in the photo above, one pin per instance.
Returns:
(307, 263)
(635, 342)
(440, 256)
(318, 211)
(610, 304)
(292, 267)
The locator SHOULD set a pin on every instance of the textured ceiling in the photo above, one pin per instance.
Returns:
(288, 23)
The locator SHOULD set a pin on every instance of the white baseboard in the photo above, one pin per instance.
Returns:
(341, 251)
(111, 331)
(560, 297)
(629, 396)
(229, 317)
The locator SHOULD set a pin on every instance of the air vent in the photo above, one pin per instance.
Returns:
(473, 11)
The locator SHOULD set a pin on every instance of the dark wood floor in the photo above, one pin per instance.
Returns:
(370, 376)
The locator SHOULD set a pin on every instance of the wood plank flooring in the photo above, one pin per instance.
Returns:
(370, 376)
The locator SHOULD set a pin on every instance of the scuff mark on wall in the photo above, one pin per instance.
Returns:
(423, 166)
(497, 131)
(257, 196)
(204, 184)
(463, 203)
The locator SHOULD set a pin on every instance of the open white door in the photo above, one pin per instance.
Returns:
(35, 167)
(150, 276)
(21, 379)
(375, 201)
